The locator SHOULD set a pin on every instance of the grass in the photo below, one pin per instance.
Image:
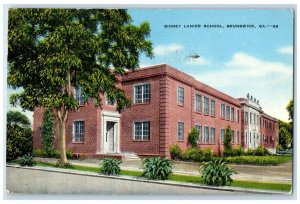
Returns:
(185, 178)
(258, 160)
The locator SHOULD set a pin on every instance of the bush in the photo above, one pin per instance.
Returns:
(258, 160)
(42, 153)
(217, 173)
(227, 153)
(227, 139)
(207, 154)
(193, 137)
(175, 151)
(249, 152)
(60, 165)
(238, 151)
(193, 154)
(27, 160)
(279, 147)
(69, 154)
(261, 151)
(110, 166)
(157, 168)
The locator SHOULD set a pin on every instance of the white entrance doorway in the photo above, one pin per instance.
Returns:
(110, 137)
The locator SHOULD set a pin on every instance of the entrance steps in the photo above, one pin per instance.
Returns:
(130, 156)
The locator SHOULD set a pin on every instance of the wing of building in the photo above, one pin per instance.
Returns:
(166, 105)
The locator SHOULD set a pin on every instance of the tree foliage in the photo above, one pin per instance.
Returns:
(227, 139)
(290, 109)
(19, 138)
(193, 137)
(285, 134)
(48, 131)
(52, 50)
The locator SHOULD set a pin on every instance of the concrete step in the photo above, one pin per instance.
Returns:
(130, 156)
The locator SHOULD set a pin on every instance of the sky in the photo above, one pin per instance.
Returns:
(257, 59)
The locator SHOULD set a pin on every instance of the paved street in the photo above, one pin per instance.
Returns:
(277, 174)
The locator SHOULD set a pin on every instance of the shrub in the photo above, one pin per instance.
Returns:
(207, 154)
(227, 139)
(69, 154)
(66, 165)
(249, 152)
(48, 131)
(238, 151)
(175, 151)
(261, 151)
(157, 168)
(227, 152)
(258, 160)
(193, 137)
(27, 160)
(279, 147)
(193, 154)
(110, 166)
(42, 153)
(217, 173)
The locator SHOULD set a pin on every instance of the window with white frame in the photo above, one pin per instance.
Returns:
(232, 114)
(142, 130)
(79, 95)
(246, 117)
(141, 93)
(250, 118)
(180, 131)
(237, 115)
(223, 110)
(212, 108)
(250, 137)
(198, 103)
(232, 136)
(180, 95)
(237, 136)
(206, 134)
(205, 109)
(222, 135)
(78, 131)
(199, 129)
(227, 112)
(246, 137)
(212, 135)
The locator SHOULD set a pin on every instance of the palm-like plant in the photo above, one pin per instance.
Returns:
(110, 166)
(157, 168)
(217, 173)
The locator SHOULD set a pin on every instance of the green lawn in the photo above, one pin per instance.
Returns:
(187, 178)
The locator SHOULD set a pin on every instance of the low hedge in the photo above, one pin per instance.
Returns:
(53, 154)
(258, 160)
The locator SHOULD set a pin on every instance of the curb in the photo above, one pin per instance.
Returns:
(165, 182)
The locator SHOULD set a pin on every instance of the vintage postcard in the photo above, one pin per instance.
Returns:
(150, 101)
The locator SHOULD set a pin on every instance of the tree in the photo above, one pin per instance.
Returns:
(227, 139)
(193, 137)
(285, 136)
(48, 131)
(290, 109)
(50, 51)
(19, 138)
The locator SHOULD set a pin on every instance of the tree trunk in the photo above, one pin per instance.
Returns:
(62, 138)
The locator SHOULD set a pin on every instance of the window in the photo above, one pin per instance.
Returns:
(250, 136)
(250, 118)
(79, 95)
(223, 110)
(142, 130)
(227, 112)
(257, 120)
(246, 117)
(232, 114)
(206, 134)
(205, 105)
(78, 131)
(222, 134)
(232, 136)
(212, 107)
(237, 136)
(199, 129)
(238, 116)
(180, 95)
(212, 135)
(198, 103)
(180, 131)
(246, 137)
(142, 93)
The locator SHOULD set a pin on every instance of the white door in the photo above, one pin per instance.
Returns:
(110, 137)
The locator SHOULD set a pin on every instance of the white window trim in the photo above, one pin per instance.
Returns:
(208, 109)
(204, 134)
(222, 141)
(141, 84)
(74, 91)
(73, 131)
(133, 130)
(214, 107)
(178, 96)
(209, 138)
(197, 94)
(178, 131)
(200, 133)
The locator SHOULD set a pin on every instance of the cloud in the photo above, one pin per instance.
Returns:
(198, 61)
(269, 81)
(287, 50)
(162, 50)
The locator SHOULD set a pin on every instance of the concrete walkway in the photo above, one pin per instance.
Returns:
(273, 174)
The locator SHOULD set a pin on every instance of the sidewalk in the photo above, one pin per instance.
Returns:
(273, 174)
